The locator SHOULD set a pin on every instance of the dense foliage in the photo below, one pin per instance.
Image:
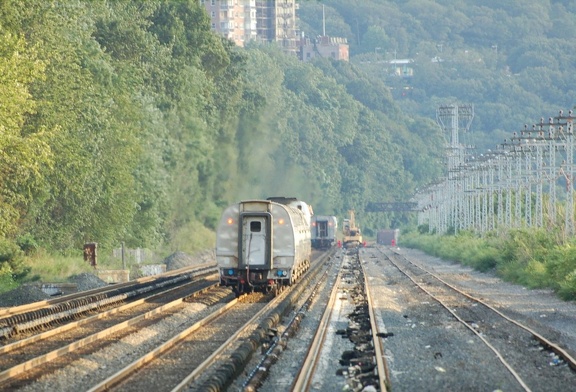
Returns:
(130, 121)
(532, 258)
(514, 61)
(111, 117)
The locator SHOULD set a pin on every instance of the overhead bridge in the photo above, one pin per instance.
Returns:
(391, 207)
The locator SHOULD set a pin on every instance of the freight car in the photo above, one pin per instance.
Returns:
(387, 237)
(323, 231)
(262, 245)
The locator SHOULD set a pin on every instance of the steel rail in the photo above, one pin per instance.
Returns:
(306, 372)
(460, 320)
(381, 366)
(68, 310)
(551, 345)
(196, 373)
(14, 310)
(33, 363)
(132, 367)
(75, 324)
(261, 371)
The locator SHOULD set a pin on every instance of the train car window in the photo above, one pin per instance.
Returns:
(255, 227)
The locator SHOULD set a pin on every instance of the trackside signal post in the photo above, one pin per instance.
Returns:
(90, 253)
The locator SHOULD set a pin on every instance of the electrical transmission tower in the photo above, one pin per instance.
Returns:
(505, 188)
(453, 119)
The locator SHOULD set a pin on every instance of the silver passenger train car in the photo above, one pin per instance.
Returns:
(262, 245)
(323, 231)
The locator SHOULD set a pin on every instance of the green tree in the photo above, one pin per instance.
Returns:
(24, 154)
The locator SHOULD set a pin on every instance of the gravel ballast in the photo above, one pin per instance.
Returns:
(32, 292)
(426, 349)
(431, 351)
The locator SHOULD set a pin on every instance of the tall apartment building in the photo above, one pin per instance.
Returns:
(266, 20)
(276, 22)
(233, 19)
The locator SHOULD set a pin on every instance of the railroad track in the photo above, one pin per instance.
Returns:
(363, 364)
(175, 363)
(212, 353)
(137, 351)
(215, 341)
(28, 355)
(68, 300)
(312, 347)
(271, 337)
(527, 355)
(41, 315)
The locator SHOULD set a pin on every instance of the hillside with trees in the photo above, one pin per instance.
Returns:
(130, 121)
(514, 61)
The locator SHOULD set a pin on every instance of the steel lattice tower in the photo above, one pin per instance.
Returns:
(504, 189)
(450, 118)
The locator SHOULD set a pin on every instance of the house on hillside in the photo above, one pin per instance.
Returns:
(401, 68)
(324, 46)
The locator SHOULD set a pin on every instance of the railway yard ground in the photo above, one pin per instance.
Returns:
(431, 338)
(428, 350)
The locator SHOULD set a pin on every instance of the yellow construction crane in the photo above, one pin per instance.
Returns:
(352, 234)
